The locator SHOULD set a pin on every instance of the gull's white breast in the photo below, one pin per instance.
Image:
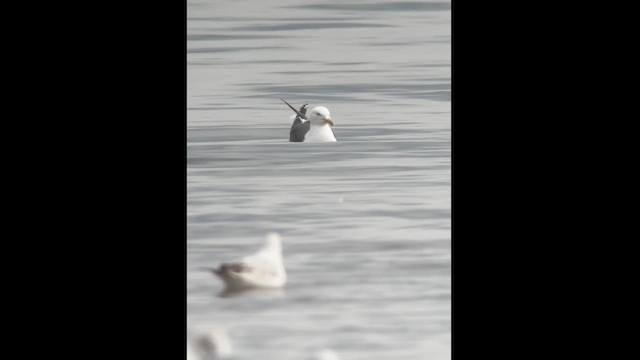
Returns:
(321, 133)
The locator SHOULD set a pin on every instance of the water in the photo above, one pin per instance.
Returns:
(366, 221)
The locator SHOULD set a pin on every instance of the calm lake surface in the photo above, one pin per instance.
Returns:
(366, 221)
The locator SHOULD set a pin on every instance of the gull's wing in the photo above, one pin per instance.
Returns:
(298, 130)
(302, 116)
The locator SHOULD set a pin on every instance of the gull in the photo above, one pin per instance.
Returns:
(312, 128)
(264, 269)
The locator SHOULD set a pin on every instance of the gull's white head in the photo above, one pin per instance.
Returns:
(320, 116)
(273, 243)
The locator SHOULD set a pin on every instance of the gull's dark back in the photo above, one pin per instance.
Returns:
(299, 128)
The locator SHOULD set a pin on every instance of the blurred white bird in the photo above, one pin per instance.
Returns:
(212, 344)
(326, 354)
(263, 269)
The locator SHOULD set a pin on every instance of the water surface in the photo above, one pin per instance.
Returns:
(366, 221)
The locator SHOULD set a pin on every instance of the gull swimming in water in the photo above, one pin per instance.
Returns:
(314, 127)
(264, 269)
